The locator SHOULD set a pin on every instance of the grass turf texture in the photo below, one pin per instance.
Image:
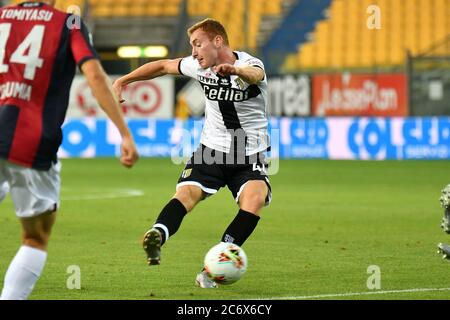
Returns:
(328, 222)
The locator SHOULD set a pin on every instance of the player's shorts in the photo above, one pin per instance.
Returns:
(210, 170)
(33, 192)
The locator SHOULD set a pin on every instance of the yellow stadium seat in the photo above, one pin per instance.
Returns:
(322, 57)
(337, 9)
(154, 10)
(441, 19)
(381, 54)
(102, 11)
(290, 63)
(273, 7)
(170, 10)
(397, 56)
(120, 3)
(120, 11)
(306, 55)
(137, 10)
(351, 57)
(337, 56)
(322, 36)
(368, 59)
(414, 25)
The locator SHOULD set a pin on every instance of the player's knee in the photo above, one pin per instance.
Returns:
(37, 239)
(189, 196)
(36, 231)
(252, 202)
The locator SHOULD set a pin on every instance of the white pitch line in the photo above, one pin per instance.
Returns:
(110, 194)
(351, 294)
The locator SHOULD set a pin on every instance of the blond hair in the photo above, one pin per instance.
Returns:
(211, 27)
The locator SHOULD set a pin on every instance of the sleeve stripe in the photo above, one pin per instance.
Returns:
(86, 59)
(179, 67)
(254, 65)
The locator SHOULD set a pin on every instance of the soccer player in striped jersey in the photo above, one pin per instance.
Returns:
(234, 137)
(40, 48)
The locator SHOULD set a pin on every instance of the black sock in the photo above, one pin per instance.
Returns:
(240, 228)
(170, 218)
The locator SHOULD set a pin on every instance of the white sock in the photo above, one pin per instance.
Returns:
(4, 189)
(23, 272)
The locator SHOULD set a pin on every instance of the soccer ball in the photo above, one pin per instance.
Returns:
(225, 263)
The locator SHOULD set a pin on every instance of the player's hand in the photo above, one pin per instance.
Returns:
(117, 87)
(225, 69)
(129, 152)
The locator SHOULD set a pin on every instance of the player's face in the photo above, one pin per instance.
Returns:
(203, 49)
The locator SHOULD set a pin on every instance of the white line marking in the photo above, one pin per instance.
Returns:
(351, 294)
(105, 194)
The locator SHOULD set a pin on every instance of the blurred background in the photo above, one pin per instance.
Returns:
(348, 79)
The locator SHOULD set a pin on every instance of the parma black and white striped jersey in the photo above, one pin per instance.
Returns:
(231, 105)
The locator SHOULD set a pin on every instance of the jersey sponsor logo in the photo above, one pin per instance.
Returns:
(222, 81)
(27, 14)
(218, 93)
(206, 79)
(15, 90)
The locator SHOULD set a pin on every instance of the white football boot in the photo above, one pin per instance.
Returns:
(203, 281)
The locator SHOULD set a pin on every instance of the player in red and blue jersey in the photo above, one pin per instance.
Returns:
(40, 48)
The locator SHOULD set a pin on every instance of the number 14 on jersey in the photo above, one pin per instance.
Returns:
(26, 53)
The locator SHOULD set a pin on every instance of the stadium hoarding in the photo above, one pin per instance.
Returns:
(289, 95)
(347, 94)
(349, 138)
(143, 99)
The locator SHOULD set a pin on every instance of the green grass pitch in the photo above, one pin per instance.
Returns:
(328, 222)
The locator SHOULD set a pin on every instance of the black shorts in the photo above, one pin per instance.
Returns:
(210, 170)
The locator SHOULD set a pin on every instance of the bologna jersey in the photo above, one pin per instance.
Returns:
(231, 104)
(39, 50)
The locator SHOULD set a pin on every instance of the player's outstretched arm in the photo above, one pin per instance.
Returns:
(249, 74)
(146, 72)
(102, 91)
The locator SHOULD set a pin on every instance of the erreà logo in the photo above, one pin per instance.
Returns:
(224, 82)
